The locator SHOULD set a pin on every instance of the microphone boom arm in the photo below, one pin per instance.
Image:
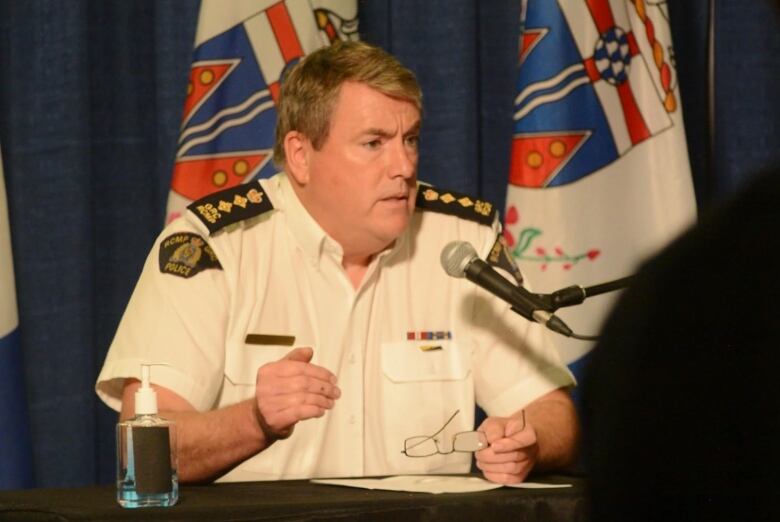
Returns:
(575, 294)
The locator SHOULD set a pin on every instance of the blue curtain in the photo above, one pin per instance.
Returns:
(90, 96)
(90, 102)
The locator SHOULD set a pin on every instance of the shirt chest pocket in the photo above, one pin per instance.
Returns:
(423, 383)
(422, 361)
(243, 361)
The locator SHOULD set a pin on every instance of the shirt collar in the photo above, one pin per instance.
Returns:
(309, 235)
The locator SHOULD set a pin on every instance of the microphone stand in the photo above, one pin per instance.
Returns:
(575, 294)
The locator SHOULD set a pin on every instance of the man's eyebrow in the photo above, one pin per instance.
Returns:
(414, 129)
(383, 133)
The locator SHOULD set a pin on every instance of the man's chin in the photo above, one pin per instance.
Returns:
(391, 230)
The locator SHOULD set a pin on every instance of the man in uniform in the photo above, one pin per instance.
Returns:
(304, 323)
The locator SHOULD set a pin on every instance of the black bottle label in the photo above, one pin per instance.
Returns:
(152, 453)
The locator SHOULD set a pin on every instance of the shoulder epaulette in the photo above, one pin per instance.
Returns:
(455, 204)
(231, 205)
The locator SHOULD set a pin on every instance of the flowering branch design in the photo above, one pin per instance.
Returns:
(522, 247)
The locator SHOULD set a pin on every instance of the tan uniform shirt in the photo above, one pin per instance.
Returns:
(281, 274)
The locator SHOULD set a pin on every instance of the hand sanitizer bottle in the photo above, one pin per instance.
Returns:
(146, 454)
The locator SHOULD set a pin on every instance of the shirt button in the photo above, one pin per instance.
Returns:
(352, 358)
(352, 419)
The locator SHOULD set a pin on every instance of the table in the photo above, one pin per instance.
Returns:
(298, 500)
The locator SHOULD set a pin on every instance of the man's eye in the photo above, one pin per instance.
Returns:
(373, 144)
(412, 141)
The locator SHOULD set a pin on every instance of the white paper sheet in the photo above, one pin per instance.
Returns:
(430, 483)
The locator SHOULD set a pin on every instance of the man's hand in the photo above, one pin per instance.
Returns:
(290, 390)
(513, 449)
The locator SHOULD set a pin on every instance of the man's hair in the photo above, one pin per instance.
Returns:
(310, 89)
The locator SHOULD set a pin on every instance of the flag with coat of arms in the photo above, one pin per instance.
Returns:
(599, 174)
(15, 446)
(242, 50)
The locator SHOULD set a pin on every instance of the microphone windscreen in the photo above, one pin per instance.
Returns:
(456, 256)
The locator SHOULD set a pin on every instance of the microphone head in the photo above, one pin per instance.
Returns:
(456, 256)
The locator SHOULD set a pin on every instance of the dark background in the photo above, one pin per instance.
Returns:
(91, 95)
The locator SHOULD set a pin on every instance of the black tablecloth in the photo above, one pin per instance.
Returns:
(301, 500)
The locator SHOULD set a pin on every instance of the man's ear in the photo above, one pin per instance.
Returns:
(296, 150)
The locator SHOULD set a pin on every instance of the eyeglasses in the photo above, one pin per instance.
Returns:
(464, 441)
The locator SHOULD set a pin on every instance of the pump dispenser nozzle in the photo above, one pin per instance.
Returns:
(145, 396)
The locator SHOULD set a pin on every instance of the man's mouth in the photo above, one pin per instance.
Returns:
(396, 197)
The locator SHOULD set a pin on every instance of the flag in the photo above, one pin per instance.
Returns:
(15, 449)
(599, 175)
(242, 49)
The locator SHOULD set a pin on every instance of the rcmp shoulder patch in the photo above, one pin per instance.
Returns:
(455, 204)
(185, 254)
(231, 206)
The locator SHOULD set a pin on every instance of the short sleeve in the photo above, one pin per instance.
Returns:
(515, 360)
(177, 318)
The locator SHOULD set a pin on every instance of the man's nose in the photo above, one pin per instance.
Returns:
(403, 159)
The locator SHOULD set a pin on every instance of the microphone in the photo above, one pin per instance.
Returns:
(460, 259)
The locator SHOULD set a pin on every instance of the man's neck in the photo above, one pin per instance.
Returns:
(356, 267)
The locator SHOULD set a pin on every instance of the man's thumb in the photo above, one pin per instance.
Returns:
(300, 354)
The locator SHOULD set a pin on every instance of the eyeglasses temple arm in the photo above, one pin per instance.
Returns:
(445, 424)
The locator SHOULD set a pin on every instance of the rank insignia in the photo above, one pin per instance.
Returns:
(231, 205)
(185, 254)
(500, 257)
(429, 194)
(456, 204)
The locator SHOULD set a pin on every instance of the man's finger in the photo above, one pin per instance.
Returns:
(290, 400)
(510, 456)
(513, 468)
(320, 387)
(520, 440)
(281, 418)
(298, 384)
(309, 411)
(299, 412)
(285, 368)
(504, 478)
